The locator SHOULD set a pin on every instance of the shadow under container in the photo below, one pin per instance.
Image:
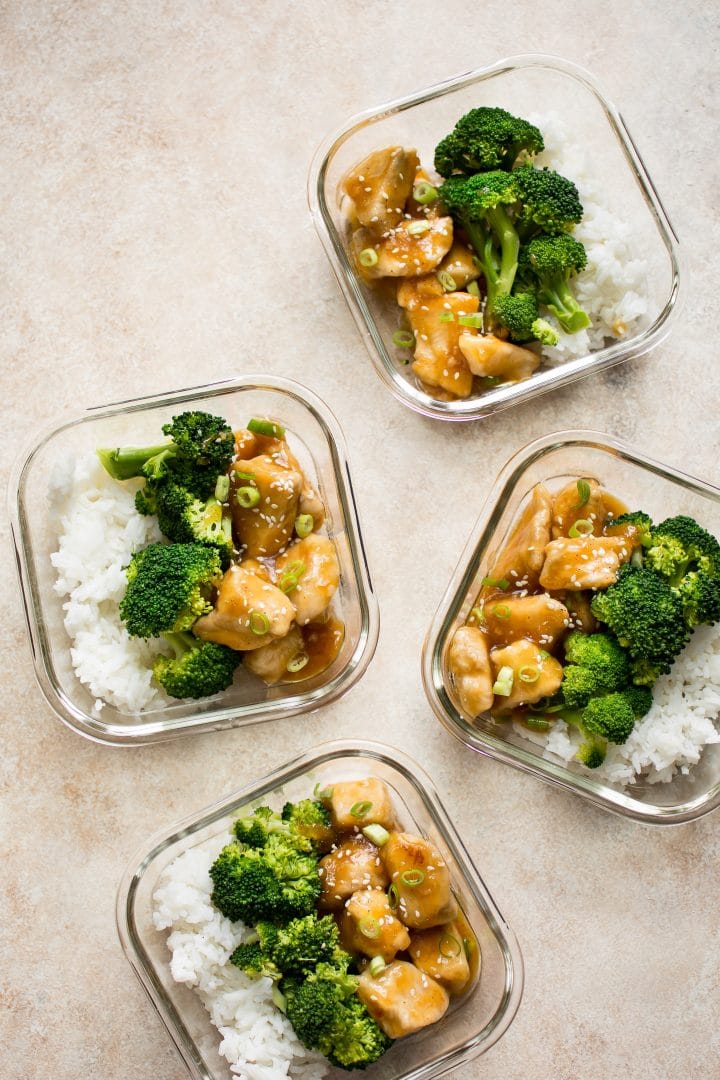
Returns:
(642, 484)
(472, 1025)
(314, 436)
(526, 85)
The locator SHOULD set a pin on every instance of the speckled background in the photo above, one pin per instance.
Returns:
(155, 234)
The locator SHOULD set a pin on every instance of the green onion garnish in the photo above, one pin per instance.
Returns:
(447, 316)
(291, 576)
(250, 477)
(247, 497)
(582, 527)
(304, 525)
(424, 193)
(495, 583)
(417, 228)
(368, 257)
(377, 964)
(297, 663)
(468, 946)
(360, 809)
(449, 946)
(504, 682)
(404, 339)
(412, 878)
(322, 793)
(393, 896)
(266, 427)
(583, 493)
(369, 927)
(222, 488)
(537, 723)
(279, 998)
(501, 611)
(543, 654)
(471, 320)
(447, 281)
(488, 381)
(376, 835)
(478, 615)
(473, 288)
(259, 623)
(528, 673)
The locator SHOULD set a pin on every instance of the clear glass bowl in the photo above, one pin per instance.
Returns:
(469, 1029)
(639, 482)
(315, 437)
(525, 85)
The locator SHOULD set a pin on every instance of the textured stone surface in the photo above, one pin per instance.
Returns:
(155, 235)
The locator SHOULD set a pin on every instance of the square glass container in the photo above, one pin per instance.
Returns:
(639, 482)
(317, 441)
(524, 85)
(471, 1026)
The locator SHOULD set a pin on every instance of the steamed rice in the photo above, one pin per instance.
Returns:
(257, 1039)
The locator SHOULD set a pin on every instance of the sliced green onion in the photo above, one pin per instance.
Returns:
(495, 583)
(288, 583)
(246, 476)
(449, 946)
(360, 809)
(582, 527)
(297, 567)
(247, 497)
(538, 723)
(583, 493)
(473, 288)
(404, 339)
(297, 663)
(368, 257)
(636, 559)
(504, 682)
(393, 896)
(528, 673)
(471, 320)
(322, 793)
(266, 427)
(424, 193)
(501, 611)
(376, 834)
(447, 316)
(377, 964)
(222, 488)
(279, 998)
(226, 526)
(417, 228)
(478, 615)
(544, 654)
(447, 281)
(369, 928)
(259, 623)
(412, 878)
(304, 525)
(468, 946)
(488, 381)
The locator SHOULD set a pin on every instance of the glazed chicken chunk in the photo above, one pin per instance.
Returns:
(402, 999)
(535, 674)
(434, 321)
(356, 803)
(569, 507)
(270, 662)
(469, 664)
(368, 926)
(404, 251)
(352, 866)
(421, 879)
(248, 613)
(440, 953)
(522, 557)
(584, 562)
(539, 618)
(489, 356)
(313, 564)
(266, 527)
(375, 190)
(460, 264)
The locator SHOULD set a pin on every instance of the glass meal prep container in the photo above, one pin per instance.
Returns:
(474, 1022)
(642, 484)
(317, 441)
(525, 85)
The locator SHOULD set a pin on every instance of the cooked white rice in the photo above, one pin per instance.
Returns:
(99, 531)
(670, 739)
(256, 1038)
(613, 286)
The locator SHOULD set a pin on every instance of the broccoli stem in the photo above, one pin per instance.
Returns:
(558, 297)
(509, 242)
(180, 642)
(499, 273)
(124, 463)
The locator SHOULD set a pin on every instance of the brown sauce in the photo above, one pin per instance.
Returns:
(322, 641)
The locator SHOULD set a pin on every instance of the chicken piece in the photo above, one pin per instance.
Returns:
(567, 509)
(248, 613)
(461, 264)
(402, 999)
(421, 879)
(255, 566)
(535, 673)
(266, 528)
(431, 209)
(540, 618)
(368, 926)
(376, 189)
(521, 560)
(584, 562)
(270, 662)
(353, 865)
(440, 953)
(438, 359)
(322, 641)
(310, 502)
(469, 664)
(403, 251)
(313, 563)
(488, 355)
(357, 803)
(581, 616)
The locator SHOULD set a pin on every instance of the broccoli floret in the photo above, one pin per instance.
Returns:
(306, 824)
(578, 685)
(169, 588)
(688, 557)
(478, 203)
(638, 518)
(484, 139)
(549, 202)
(596, 664)
(309, 818)
(609, 717)
(304, 943)
(275, 883)
(592, 753)
(639, 698)
(185, 519)
(251, 959)
(518, 313)
(196, 669)
(549, 262)
(256, 829)
(201, 448)
(646, 617)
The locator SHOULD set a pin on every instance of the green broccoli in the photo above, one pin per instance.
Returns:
(688, 558)
(608, 718)
(646, 617)
(304, 943)
(255, 830)
(169, 588)
(276, 882)
(185, 519)
(201, 448)
(549, 202)
(549, 262)
(478, 203)
(518, 313)
(485, 139)
(251, 959)
(311, 819)
(196, 669)
(306, 824)
(638, 518)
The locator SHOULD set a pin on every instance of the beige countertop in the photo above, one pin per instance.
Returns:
(155, 235)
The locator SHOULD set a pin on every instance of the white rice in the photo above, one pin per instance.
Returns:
(257, 1039)
(613, 286)
(670, 739)
(99, 531)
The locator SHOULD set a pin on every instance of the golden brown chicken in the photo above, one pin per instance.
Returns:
(584, 562)
(354, 804)
(433, 318)
(469, 664)
(265, 526)
(409, 250)
(376, 189)
(353, 865)
(249, 612)
(309, 572)
(270, 662)
(460, 264)
(490, 356)
(535, 673)
(521, 559)
(440, 953)
(421, 881)
(368, 926)
(402, 999)
(539, 618)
